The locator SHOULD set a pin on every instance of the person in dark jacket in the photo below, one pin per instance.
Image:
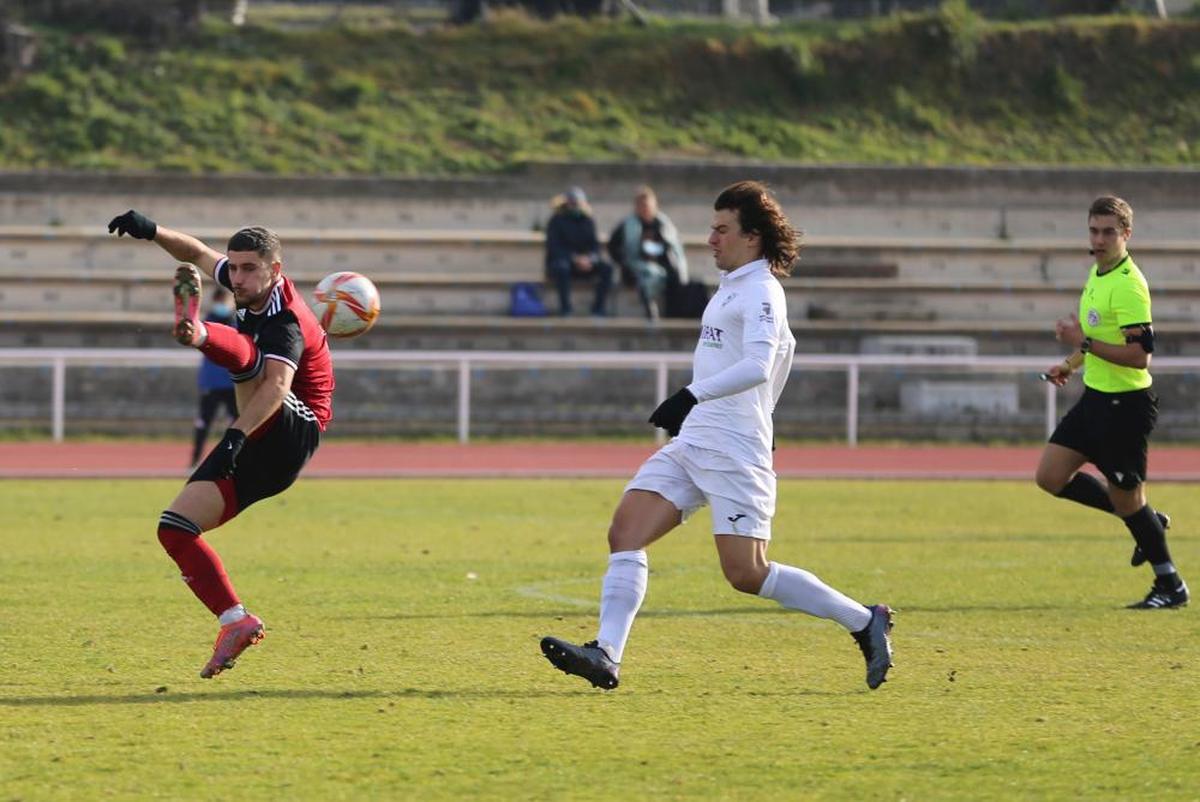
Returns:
(573, 251)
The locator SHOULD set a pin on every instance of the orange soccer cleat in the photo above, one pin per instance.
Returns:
(232, 640)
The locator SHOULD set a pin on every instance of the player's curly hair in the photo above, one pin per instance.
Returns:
(759, 213)
(259, 239)
(1117, 207)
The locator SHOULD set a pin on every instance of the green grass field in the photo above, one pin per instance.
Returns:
(402, 653)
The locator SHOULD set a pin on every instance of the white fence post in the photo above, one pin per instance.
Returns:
(1051, 408)
(58, 395)
(852, 404)
(464, 400)
(660, 395)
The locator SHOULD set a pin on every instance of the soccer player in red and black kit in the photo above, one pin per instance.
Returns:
(283, 376)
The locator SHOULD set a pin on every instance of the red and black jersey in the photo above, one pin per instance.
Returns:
(286, 329)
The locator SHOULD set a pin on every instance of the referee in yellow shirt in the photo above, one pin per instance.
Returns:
(1110, 426)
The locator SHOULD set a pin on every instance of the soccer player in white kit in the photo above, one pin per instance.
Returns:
(721, 452)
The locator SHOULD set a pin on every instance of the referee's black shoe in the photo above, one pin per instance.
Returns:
(588, 661)
(1138, 558)
(875, 641)
(1163, 595)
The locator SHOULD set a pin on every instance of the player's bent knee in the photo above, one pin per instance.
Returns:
(745, 578)
(175, 531)
(623, 537)
(1051, 481)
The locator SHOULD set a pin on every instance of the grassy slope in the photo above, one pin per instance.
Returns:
(389, 674)
(934, 89)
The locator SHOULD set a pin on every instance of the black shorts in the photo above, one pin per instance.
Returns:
(269, 464)
(212, 400)
(1113, 431)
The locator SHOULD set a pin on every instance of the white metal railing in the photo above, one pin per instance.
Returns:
(465, 361)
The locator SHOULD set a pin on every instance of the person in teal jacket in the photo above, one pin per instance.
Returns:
(646, 245)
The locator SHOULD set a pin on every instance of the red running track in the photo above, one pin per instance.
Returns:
(380, 460)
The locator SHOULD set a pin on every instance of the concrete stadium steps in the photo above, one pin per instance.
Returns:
(109, 329)
(920, 203)
(24, 250)
(808, 298)
(403, 295)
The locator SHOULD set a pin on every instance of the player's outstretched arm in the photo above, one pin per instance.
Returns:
(268, 397)
(183, 247)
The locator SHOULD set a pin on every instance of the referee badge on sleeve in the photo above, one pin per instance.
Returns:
(1093, 317)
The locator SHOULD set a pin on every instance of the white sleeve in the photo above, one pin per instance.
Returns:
(762, 309)
(753, 369)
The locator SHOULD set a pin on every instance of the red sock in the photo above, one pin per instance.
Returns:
(201, 568)
(235, 352)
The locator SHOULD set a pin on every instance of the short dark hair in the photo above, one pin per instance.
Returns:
(759, 213)
(1117, 207)
(259, 239)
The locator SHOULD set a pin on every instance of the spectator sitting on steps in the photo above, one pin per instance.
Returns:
(646, 245)
(572, 250)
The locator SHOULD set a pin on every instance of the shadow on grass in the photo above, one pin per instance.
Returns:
(575, 613)
(173, 697)
(190, 697)
(990, 608)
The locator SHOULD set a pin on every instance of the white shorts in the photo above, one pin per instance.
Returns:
(742, 497)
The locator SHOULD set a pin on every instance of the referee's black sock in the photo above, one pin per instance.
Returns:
(1147, 530)
(1087, 490)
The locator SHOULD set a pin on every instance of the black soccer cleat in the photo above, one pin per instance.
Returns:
(588, 661)
(876, 643)
(1163, 597)
(1138, 558)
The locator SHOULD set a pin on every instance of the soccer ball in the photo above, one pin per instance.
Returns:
(346, 304)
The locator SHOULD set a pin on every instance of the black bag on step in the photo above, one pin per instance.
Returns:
(686, 300)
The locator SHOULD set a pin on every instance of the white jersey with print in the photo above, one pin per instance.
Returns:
(747, 312)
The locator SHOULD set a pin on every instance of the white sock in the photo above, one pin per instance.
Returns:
(623, 590)
(232, 615)
(798, 589)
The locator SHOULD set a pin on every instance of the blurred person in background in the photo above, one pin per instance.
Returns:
(573, 251)
(214, 382)
(1110, 425)
(279, 360)
(722, 453)
(646, 245)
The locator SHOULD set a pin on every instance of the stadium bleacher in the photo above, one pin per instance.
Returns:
(993, 253)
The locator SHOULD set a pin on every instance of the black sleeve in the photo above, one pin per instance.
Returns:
(221, 273)
(616, 244)
(592, 239)
(281, 338)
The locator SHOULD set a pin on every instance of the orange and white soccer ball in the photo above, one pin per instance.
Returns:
(346, 304)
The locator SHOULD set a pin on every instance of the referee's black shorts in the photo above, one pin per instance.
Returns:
(269, 464)
(1113, 431)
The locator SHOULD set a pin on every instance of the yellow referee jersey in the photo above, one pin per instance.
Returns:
(1110, 302)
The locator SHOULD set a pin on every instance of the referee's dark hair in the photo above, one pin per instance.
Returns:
(259, 239)
(759, 213)
(1117, 207)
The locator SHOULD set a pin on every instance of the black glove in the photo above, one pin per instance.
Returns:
(223, 459)
(670, 413)
(135, 224)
